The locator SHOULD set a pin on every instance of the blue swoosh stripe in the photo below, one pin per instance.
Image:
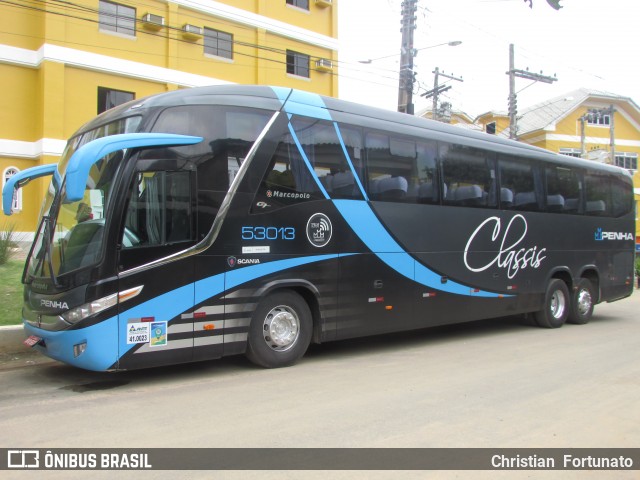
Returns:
(216, 284)
(375, 236)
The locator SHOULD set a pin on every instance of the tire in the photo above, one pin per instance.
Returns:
(582, 303)
(280, 330)
(556, 306)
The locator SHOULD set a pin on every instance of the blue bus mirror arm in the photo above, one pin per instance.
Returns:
(87, 155)
(20, 179)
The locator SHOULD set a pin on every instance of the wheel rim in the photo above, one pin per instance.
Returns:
(558, 304)
(281, 328)
(584, 302)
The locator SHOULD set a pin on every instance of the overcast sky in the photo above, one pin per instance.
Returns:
(589, 43)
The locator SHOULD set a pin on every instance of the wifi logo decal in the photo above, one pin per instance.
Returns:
(319, 230)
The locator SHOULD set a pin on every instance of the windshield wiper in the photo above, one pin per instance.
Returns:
(43, 253)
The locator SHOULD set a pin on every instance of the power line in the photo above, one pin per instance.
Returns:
(173, 33)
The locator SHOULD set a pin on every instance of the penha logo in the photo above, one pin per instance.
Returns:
(601, 236)
(54, 304)
(319, 230)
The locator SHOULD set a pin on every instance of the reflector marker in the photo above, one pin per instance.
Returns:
(130, 293)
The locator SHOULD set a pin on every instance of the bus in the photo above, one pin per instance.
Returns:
(256, 220)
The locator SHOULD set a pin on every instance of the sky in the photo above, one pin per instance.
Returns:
(591, 44)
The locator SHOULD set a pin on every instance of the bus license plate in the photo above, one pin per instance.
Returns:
(31, 340)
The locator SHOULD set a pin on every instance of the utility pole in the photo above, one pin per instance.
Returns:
(583, 137)
(595, 114)
(513, 97)
(407, 52)
(438, 89)
(612, 138)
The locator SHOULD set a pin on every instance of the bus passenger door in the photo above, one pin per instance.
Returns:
(156, 324)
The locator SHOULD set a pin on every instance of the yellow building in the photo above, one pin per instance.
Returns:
(63, 63)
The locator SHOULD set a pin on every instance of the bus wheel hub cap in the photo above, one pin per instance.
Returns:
(281, 328)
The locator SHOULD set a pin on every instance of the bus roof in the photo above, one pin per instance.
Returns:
(275, 98)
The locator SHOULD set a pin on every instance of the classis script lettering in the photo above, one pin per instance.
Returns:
(511, 255)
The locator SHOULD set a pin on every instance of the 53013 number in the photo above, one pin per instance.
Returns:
(268, 233)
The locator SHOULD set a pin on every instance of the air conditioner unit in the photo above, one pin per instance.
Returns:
(324, 3)
(153, 22)
(324, 65)
(191, 32)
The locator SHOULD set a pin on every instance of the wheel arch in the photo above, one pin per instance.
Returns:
(564, 274)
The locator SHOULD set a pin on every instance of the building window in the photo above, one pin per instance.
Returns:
(491, 128)
(16, 205)
(297, 64)
(304, 4)
(109, 98)
(114, 17)
(627, 160)
(571, 152)
(218, 43)
(598, 119)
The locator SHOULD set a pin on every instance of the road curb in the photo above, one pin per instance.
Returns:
(11, 338)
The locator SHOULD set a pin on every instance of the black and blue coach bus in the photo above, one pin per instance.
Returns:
(248, 219)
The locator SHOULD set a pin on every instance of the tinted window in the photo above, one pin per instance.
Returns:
(621, 197)
(390, 165)
(607, 195)
(159, 211)
(519, 188)
(288, 180)
(228, 133)
(468, 175)
(564, 188)
(598, 195)
(320, 144)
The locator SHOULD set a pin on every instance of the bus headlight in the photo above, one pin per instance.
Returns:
(83, 311)
(96, 306)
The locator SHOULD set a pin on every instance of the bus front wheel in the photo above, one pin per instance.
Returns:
(556, 305)
(280, 330)
(582, 303)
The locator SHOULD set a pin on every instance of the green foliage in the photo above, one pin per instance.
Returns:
(638, 265)
(7, 243)
(11, 292)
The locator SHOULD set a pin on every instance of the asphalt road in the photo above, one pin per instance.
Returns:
(499, 383)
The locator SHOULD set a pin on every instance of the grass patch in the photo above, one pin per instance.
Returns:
(11, 292)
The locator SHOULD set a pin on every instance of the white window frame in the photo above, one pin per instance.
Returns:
(626, 159)
(16, 204)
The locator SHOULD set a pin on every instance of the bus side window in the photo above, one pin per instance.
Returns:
(287, 180)
(622, 196)
(321, 145)
(391, 167)
(597, 195)
(520, 188)
(159, 211)
(564, 192)
(469, 176)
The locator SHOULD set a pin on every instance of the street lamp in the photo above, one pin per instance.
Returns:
(453, 43)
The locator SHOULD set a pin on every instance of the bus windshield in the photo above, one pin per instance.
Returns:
(70, 234)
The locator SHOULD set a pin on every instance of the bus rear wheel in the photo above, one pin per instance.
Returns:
(556, 306)
(280, 330)
(582, 303)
